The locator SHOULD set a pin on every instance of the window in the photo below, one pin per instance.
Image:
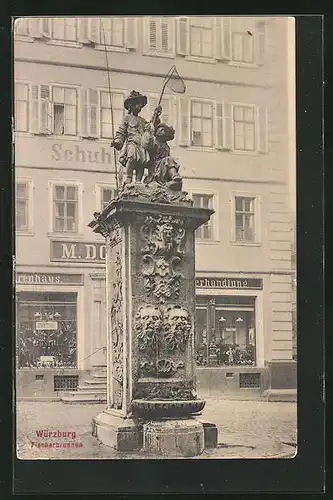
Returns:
(112, 31)
(65, 200)
(21, 107)
(64, 111)
(46, 330)
(204, 232)
(107, 194)
(201, 36)
(201, 123)
(105, 114)
(242, 38)
(244, 128)
(160, 34)
(22, 206)
(53, 110)
(64, 28)
(245, 218)
(22, 27)
(225, 331)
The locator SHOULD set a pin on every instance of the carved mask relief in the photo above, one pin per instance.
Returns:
(161, 331)
(162, 254)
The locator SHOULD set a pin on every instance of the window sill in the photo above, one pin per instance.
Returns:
(109, 48)
(246, 243)
(65, 43)
(167, 55)
(200, 241)
(208, 60)
(240, 64)
(204, 149)
(23, 233)
(24, 38)
(65, 236)
(244, 152)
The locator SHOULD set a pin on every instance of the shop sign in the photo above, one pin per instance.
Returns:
(48, 279)
(230, 283)
(77, 251)
(46, 325)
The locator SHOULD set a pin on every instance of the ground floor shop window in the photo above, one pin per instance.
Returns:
(225, 331)
(46, 330)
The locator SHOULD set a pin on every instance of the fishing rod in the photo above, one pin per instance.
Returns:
(111, 108)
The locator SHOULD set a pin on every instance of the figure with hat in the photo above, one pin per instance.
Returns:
(134, 156)
(162, 167)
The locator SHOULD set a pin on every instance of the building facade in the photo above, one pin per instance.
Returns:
(233, 144)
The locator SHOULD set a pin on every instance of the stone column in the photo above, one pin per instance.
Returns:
(150, 265)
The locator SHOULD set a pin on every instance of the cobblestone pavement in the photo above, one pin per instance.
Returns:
(247, 429)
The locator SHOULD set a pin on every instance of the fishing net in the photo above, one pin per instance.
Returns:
(175, 82)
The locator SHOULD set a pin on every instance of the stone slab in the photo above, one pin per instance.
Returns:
(173, 438)
(123, 434)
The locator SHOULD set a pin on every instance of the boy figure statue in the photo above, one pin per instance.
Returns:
(134, 155)
(162, 167)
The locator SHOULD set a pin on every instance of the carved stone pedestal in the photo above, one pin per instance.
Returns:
(122, 433)
(150, 270)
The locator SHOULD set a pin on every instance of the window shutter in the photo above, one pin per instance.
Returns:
(184, 122)
(226, 37)
(46, 26)
(131, 32)
(45, 103)
(262, 133)
(93, 112)
(152, 104)
(218, 37)
(165, 35)
(83, 25)
(21, 26)
(34, 122)
(35, 27)
(260, 42)
(219, 125)
(152, 33)
(84, 113)
(89, 113)
(94, 29)
(227, 126)
(182, 35)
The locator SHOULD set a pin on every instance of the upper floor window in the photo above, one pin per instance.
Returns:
(222, 38)
(107, 194)
(22, 26)
(204, 232)
(64, 111)
(245, 219)
(106, 115)
(242, 39)
(65, 204)
(53, 110)
(159, 34)
(21, 107)
(112, 31)
(201, 123)
(201, 36)
(65, 28)
(244, 128)
(23, 201)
